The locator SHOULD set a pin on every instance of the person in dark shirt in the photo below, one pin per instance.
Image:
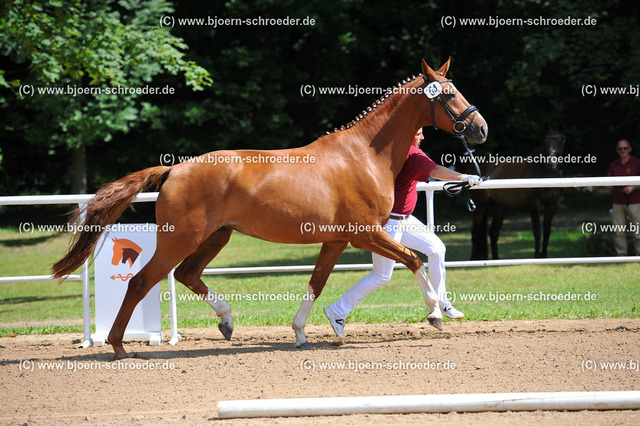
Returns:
(626, 199)
(410, 232)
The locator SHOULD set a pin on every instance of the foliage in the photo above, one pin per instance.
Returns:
(558, 61)
(524, 78)
(102, 45)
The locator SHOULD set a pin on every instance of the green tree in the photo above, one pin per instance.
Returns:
(557, 62)
(100, 44)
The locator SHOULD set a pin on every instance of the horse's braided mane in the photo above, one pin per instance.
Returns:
(376, 104)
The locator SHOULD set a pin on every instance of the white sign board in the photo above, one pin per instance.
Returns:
(119, 255)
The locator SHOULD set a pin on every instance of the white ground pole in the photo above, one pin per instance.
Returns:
(404, 404)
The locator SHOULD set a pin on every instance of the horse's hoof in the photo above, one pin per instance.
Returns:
(436, 322)
(305, 345)
(225, 330)
(122, 355)
(339, 342)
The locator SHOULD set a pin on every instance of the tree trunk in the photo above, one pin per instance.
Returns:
(79, 170)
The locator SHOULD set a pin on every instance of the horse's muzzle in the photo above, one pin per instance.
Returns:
(477, 131)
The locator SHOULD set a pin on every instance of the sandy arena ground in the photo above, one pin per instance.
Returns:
(49, 380)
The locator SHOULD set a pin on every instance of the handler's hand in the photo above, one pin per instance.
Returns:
(473, 180)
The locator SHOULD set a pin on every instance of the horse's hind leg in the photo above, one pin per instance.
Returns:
(381, 243)
(168, 254)
(329, 255)
(535, 224)
(479, 247)
(190, 270)
(549, 210)
(494, 232)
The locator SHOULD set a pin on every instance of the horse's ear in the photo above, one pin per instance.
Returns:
(445, 68)
(433, 75)
(427, 71)
(114, 239)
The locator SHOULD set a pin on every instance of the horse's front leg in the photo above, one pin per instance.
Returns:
(329, 255)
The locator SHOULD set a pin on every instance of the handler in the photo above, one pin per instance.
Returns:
(410, 232)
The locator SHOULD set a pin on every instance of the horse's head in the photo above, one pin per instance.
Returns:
(452, 112)
(553, 147)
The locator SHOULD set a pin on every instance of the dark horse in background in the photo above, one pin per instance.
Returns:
(541, 164)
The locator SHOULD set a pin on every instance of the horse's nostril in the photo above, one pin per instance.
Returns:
(483, 132)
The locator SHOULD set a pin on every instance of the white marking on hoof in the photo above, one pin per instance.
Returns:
(430, 296)
(300, 320)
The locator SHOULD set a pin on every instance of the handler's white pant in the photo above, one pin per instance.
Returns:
(412, 234)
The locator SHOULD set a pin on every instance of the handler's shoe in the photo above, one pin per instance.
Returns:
(449, 311)
(336, 323)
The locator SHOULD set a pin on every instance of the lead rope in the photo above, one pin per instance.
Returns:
(455, 188)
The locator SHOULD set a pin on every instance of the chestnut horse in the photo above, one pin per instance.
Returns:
(543, 165)
(281, 196)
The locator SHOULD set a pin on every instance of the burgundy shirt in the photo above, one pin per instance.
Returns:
(417, 168)
(632, 168)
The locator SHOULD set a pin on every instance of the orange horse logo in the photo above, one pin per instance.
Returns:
(125, 251)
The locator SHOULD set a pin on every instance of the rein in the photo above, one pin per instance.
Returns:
(456, 188)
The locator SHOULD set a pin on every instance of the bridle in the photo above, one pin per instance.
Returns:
(433, 90)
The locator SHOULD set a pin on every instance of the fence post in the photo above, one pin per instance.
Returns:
(429, 200)
(86, 305)
(173, 315)
(86, 292)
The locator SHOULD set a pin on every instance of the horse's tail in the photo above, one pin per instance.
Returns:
(102, 210)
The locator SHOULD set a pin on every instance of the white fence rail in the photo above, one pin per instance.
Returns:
(429, 188)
